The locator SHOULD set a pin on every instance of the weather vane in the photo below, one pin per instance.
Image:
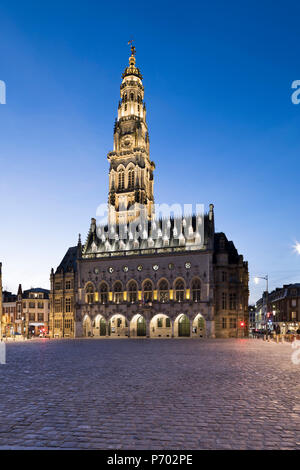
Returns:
(133, 51)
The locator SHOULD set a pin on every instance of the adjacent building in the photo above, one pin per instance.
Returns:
(284, 308)
(9, 309)
(32, 311)
(158, 278)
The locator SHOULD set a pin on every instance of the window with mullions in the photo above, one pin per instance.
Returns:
(179, 291)
(68, 304)
(68, 324)
(118, 293)
(131, 179)
(232, 301)
(196, 290)
(148, 291)
(163, 291)
(57, 305)
(132, 291)
(224, 301)
(90, 294)
(103, 294)
(121, 179)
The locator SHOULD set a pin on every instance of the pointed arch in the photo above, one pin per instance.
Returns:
(90, 293)
(118, 292)
(163, 290)
(179, 288)
(196, 290)
(147, 290)
(103, 290)
(132, 291)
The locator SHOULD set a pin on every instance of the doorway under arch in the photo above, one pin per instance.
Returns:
(138, 326)
(118, 326)
(100, 326)
(87, 326)
(199, 326)
(182, 326)
(160, 326)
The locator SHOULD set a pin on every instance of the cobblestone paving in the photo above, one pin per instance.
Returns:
(149, 394)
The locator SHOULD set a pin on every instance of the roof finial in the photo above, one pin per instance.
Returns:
(132, 47)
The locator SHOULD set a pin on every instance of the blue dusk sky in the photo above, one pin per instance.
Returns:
(223, 128)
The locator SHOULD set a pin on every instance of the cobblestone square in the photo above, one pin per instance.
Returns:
(149, 394)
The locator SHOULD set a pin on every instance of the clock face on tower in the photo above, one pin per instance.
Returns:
(126, 141)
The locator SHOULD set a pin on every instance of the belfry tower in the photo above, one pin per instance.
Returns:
(131, 171)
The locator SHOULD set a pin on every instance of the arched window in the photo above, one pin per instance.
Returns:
(125, 97)
(89, 294)
(121, 179)
(196, 290)
(163, 289)
(118, 292)
(132, 291)
(131, 96)
(179, 291)
(148, 292)
(103, 293)
(131, 179)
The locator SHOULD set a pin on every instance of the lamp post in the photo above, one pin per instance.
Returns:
(1, 304)
(265, 298)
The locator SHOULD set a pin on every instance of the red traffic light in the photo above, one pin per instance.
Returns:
(242, 324)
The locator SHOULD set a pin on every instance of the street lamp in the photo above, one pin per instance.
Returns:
(297, 248)
(265, 298)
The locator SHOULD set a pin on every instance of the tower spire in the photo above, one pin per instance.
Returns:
(130, 162)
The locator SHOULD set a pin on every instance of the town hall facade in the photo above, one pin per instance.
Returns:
(141, 275)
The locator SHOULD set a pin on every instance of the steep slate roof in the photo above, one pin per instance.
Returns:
(233, 256)
(69, 261)
(8, 297)
(36, 290)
